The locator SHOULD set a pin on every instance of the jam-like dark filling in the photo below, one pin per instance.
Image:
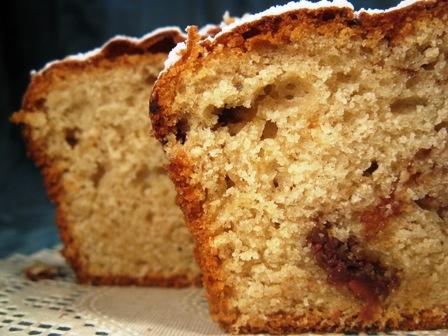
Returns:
(376, 218)
(348, 264)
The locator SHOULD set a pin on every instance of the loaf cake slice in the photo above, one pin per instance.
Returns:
(308, 145)
(85, 120)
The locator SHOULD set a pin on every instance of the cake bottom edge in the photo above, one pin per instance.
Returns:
(318, 322)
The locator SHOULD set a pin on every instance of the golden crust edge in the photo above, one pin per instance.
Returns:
(433, 319)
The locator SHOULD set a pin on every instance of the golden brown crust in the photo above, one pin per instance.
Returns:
(190, 198)
(162, 121)
(117, 51)
(316, 322)
(390, 27)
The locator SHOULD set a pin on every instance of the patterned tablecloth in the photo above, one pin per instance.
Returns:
(61, 307)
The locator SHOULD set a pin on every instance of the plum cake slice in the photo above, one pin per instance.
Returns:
(308, 145)
(85, 121)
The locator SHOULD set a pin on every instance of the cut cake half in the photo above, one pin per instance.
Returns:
(85, 122)
(308, 145)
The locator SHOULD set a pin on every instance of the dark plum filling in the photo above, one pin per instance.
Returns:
(348, 264)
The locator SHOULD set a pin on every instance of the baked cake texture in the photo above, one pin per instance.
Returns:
(85, 120)
(308, 145)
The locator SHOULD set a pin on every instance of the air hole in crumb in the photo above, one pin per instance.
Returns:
(409, 72)
(372, 168)
(141, 175)
(229, 182)
(40, 103)
(130, 101)
(412, 82)
(234, 118)
(238, 85)
(426, 203)
(182, 129)
(443, 213)
(340, 78)
(270, 130)
(328, 15)
(366, 50)
(423, 154)
(181, 89)
(429, 66)
(251, 33)
(230, 116)
(149, 216)
(263, 44)
(160, 171)
(268, 89)
(404, 105)
(346, 77)
(290, 91)
(98, 175)
(275, 182)
(276, 225)
(150, 79)
(439, 126)
(71, 136)
(433, 204)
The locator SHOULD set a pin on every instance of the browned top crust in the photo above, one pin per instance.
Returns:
(160, 41)
(276, 30)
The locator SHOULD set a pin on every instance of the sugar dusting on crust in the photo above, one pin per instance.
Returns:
(176, 53)
(402, 4)
(304, 4)
(290, 6)
(86, 55)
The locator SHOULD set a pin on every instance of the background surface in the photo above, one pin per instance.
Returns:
(35, 32)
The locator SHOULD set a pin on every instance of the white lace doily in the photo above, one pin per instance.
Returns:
(60, 307)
